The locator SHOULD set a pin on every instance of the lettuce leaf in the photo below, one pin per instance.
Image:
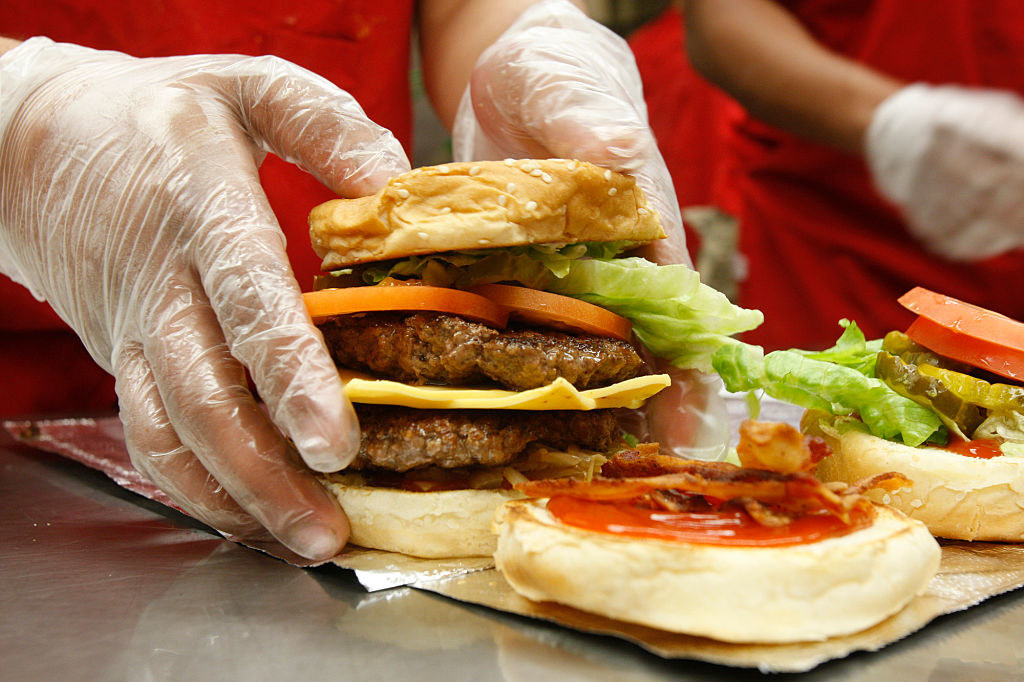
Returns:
(673, 314)
(851, 350)
(819, 385)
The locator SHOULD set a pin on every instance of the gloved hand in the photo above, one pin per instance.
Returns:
(953, 159)
(558, 84)
(129, 199)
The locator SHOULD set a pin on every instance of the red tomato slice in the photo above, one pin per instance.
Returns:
(966, 332)
(545, 309)
(329, 302)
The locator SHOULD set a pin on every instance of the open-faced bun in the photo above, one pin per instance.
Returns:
(737, 594)
(483, 204)
(957, 497)
(439, 524)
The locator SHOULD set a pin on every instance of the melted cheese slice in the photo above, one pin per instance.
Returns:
(558, 395)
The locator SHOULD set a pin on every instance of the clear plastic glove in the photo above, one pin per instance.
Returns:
(130, 200)
(558, 84)
(953, 159)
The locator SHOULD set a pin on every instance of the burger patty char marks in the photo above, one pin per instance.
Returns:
(449, 350)
(401, 438)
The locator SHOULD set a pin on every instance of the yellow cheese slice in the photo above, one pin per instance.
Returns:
(558, 395)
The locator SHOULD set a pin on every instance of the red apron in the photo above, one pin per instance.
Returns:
(361, 45)
(820, 243)
(685, 111)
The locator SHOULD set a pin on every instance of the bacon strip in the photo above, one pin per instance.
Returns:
(719, 480)
(771, 497)
(779, 447)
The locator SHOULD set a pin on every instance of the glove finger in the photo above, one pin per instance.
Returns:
(689, 418)
(240, 258)
(158, 454)
(307, 120)
(535, 89)
(204, 390)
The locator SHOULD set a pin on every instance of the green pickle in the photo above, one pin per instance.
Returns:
(915, 382)
(977, 391)
(910, 352)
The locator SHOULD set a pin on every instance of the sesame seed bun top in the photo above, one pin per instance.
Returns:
(483, 204)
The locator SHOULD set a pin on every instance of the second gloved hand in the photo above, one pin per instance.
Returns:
(953, 159)
(558, 84)
(130, 200)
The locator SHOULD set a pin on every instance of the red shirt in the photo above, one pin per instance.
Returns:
(819, 242)
(360, 45)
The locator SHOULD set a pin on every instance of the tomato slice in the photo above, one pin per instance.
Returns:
(545, 309)
(966, 332)
(326, 303)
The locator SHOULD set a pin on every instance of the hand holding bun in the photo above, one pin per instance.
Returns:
(557, 83)
(131, 202)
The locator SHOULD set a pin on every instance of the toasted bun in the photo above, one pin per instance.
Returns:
(957, 497)
(449, 523)
(483, 204)
(736, 594)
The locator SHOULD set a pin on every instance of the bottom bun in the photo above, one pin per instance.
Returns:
(441, 524)
(737, 594)
(956, 496)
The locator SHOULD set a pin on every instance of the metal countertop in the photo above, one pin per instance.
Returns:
(99, 583)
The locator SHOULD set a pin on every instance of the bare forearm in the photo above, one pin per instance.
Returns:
(762, 56)
(453, 33)
(8, 44)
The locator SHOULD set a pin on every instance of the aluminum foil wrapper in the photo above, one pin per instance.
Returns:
(969, 572)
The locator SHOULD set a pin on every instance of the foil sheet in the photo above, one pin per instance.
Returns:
(969, 572)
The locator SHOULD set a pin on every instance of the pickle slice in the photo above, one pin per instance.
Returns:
(960, 416)
(977, 391)
(913, 353)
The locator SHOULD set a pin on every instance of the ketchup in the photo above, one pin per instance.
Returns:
(726, 527)
(983, 448)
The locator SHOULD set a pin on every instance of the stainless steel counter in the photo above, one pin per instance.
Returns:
(99, 583)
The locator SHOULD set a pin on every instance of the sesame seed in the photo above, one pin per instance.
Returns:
(422, 235)
(483, 241)
(546, 177)
(916, 504)
(531, 205)
(612, 191)
(446, 210)
(502, 199)
(402, 192)
(536, 172)
(509, 162)
(510, 188)
(474, 170)
(607, 175)
(886, 499)
(528, 167)
(442, 169)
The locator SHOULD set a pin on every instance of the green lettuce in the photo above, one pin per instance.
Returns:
(816, 384)
(851, 350)
(674, 315)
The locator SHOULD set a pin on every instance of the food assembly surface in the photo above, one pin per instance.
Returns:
(100, 583)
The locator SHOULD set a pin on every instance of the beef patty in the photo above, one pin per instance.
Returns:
(449, 350)
(402, 438)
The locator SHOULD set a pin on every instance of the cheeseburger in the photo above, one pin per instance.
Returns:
(941, 403)
(490, 333)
